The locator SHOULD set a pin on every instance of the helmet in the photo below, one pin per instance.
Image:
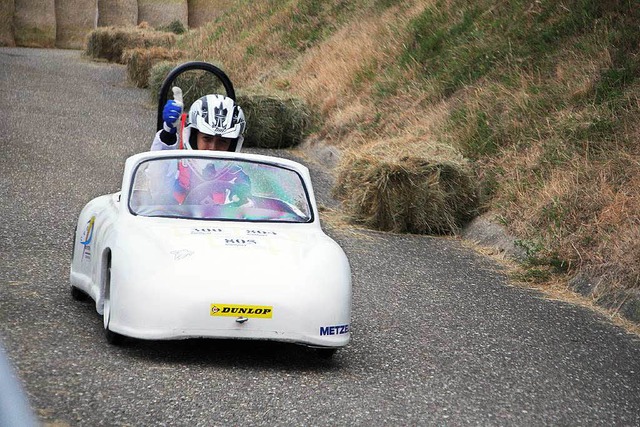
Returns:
(215, 115)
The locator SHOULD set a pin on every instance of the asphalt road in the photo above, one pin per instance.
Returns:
(439, 338)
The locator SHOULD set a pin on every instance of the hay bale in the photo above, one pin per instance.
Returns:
(274, 122)
(35, 23)
(423, 193)
(75, 19)
(109, 43)
(117, 13)
(140, 61)
(204, 11)
(175, 27)
(194, 83)
(7, 9)
(160, 13)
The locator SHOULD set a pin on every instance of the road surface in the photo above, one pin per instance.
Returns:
(439, 336)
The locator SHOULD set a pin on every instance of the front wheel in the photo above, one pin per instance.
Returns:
(113, 338)
(326, 353)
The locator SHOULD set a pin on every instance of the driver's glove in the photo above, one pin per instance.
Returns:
(171, 115)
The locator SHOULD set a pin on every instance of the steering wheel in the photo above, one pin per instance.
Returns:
(193, 65)
(206, 189)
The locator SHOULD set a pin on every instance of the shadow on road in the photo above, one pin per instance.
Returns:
(207, 352)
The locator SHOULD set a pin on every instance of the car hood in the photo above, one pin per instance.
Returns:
(229, 254)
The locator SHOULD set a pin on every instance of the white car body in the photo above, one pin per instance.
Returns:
(155, 277)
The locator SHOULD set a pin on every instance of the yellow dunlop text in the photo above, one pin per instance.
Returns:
(236, 310)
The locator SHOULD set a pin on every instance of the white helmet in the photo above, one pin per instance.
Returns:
(215, 115)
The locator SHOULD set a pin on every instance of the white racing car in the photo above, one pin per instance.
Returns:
(218, 265)
(240, 254)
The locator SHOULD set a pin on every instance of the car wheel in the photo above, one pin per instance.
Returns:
(113, 338)
(326, 353)
(78, 295)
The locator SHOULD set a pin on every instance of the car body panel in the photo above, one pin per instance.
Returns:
(173, 278)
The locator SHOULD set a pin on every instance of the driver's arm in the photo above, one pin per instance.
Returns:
(164, 141)
(165, 138)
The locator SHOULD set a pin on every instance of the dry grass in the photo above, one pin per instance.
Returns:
(160, 13)
(257, 47)
(7, 9)
(140, 61)
(74, 20)
(109, 43)
(117, 13)
(34, 23)
(328, 71)
(393, 186)
(203, 11)
(546, 127)
(274, 122)
(586, 215)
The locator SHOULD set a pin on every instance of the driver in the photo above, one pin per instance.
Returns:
(214, 122)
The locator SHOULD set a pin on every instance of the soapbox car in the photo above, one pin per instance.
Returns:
(217, 265)
(238, 252)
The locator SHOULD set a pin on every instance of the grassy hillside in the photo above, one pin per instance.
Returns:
(537, 99)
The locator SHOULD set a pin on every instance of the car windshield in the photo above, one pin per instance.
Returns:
(220, 189)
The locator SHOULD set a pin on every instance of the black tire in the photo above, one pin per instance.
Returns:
(113, 338)
(326, 353)
(79, 295)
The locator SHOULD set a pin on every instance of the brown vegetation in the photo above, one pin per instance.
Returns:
(140, 61)
(536, 102)
(34, 23)
(408, 187)
(159, 13)
(74, 20)
(7, 9)
(109, 43)
(117, 13)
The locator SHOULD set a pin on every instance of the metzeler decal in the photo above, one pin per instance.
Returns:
(334, 330)
(235, 310)
(87, 237)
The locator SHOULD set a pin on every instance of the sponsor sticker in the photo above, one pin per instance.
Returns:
(240, 242)
(334, 330)
(261, 233)
(206, 230)
(236, 310)
(87, 238)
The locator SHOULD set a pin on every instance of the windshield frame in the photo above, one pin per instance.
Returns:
(144, 162)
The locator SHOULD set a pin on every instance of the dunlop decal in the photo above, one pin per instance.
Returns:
(236, 310)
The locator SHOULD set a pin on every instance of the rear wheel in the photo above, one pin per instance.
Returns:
(78, 295)
(112, 337)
